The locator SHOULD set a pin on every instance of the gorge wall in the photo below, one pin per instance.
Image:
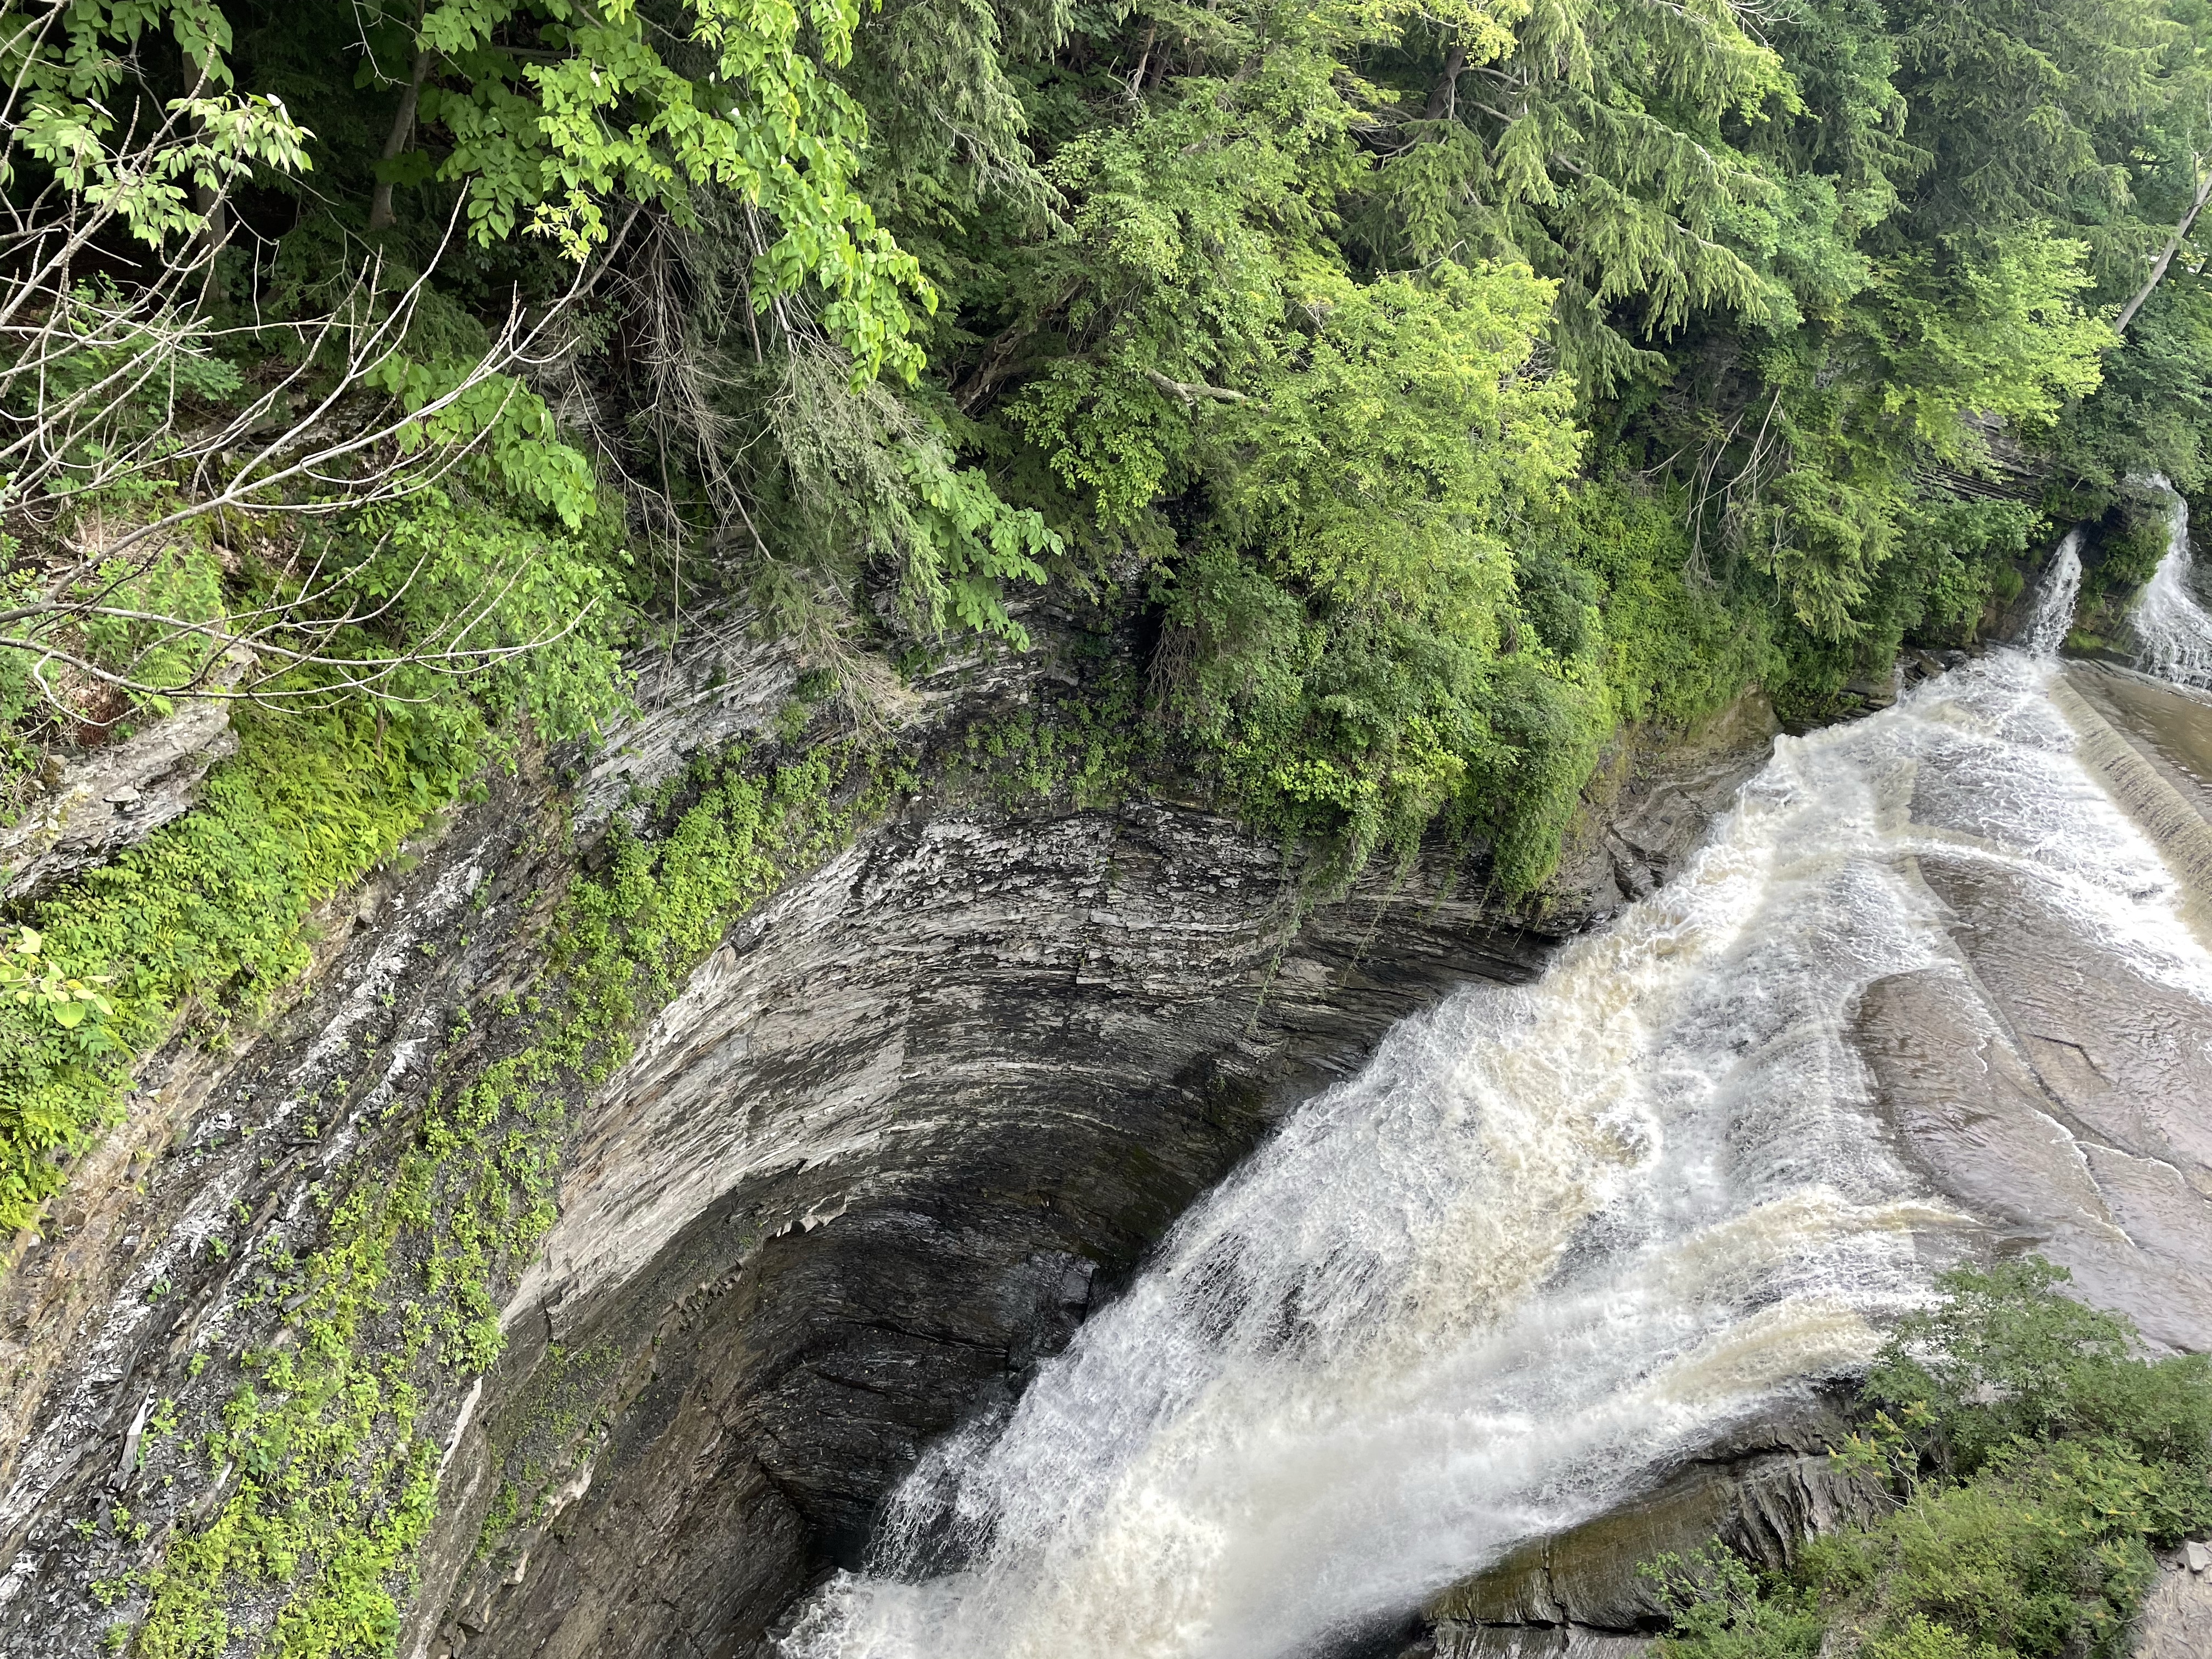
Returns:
(923, 1108)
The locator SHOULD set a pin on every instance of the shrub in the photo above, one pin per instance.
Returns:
(2035, 1458)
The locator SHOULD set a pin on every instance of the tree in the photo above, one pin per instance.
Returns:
(1595, 142)
(129, 372)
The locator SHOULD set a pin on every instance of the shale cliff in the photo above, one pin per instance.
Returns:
(928, 1100)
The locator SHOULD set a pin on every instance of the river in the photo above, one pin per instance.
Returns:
(1556, 1238)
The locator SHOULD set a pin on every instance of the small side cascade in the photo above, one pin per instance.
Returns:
(2053, 615)
(2173, 633)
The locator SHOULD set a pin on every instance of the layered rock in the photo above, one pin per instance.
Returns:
(907, 1127)
(88, 811)
(1760, 1492)
(2049, 1081)
(920, 1111)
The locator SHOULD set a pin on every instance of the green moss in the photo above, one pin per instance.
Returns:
(338, 1484)
(545, 1434)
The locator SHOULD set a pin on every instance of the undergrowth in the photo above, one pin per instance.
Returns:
(1088, 747)
(1349, 738)
(204, 920)
(2034, 1459)
(564, 1412)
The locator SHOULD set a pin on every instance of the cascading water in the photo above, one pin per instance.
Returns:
(2173, 633)
(1553, 1239)
(2047, 624)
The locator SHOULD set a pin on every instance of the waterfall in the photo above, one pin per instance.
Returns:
(2053, 616)
(2173, 634)
(1553, 1240)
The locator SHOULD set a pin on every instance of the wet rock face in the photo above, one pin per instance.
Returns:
(105, 1303)
(920, 1113)
(1761, 1491)
(2176, 1620)
(890, 1147)
(2043, 1077)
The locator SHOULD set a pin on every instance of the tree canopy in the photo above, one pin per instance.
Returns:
(1392, 367)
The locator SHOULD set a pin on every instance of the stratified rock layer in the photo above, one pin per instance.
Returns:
(918, 1114)
(895, 1138)
(88, 811)
(1761, 1492)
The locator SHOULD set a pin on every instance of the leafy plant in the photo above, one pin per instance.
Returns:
(2034, 1458)
(77, 1006)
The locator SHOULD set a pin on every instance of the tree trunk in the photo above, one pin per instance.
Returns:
(2166, 260)
(1444, 98)
(402, 129)
(1143, 60)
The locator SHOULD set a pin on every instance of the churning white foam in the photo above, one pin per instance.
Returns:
(2173, 634)
(1553, 1238)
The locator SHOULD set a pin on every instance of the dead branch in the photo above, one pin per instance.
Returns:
(1192, 392)
(2165, 261)
(113, 383)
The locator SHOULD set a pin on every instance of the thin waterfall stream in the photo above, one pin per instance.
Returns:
(1553, 1240)
(2172, 631)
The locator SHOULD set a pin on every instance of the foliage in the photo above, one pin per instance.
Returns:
(66, 73)
(2153, 411)
(338, 1481)
(207, 915)
(543, 145)
(1344, 623)
(2035, 1459)
(1414, 396)
(1089, 748)
(1598, 148)
(1300, 320)
(867, 479)
(521, 452)
(74, 1006)
(2004, 1359)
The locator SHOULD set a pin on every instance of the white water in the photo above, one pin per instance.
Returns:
(1552, 1239)
(2172, 631)
(2053, 616)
